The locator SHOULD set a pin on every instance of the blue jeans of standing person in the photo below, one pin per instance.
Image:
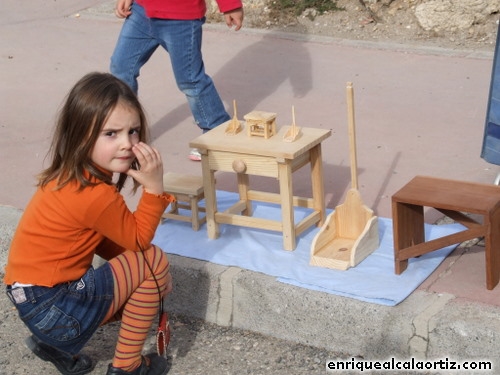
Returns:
(141, 36)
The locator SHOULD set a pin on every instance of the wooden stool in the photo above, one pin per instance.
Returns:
(451, 198)
(188, 191)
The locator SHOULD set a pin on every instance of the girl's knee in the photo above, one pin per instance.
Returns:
(163, 270)
(161, 259)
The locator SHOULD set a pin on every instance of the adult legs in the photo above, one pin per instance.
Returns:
(136, 300)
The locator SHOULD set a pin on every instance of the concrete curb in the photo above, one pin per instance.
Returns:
(424, 326)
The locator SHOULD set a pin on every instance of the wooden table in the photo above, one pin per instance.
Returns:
(270, 157)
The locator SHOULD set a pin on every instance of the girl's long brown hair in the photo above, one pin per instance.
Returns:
(86, 109)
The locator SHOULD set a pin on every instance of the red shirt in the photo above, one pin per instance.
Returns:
(184, 9)
(61, 230)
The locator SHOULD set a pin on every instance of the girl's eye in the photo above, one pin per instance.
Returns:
(134, 131)
(110, 133)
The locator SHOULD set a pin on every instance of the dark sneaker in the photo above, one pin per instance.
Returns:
(152, 364)
(65, 363)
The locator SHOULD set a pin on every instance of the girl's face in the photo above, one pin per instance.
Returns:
(113, 148)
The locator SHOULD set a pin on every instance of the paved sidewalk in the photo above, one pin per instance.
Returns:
(418, 111)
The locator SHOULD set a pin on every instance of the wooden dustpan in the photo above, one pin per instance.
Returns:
(350, 233)
(234, 125)
(293, 131)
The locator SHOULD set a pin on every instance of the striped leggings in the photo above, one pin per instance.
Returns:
(136, 300)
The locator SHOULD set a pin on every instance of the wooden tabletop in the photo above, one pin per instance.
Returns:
(217, 139)
(442, 193)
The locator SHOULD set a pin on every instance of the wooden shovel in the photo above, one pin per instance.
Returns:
(234, 126)
(293, 131)
(350, 233)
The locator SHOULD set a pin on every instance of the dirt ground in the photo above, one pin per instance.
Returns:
(392, 23)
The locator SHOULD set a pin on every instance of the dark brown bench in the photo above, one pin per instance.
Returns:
(453, 199)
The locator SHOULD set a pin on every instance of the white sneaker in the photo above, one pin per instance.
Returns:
(195, 155)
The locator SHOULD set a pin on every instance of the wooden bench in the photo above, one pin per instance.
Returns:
(453, 199)
(188, 191)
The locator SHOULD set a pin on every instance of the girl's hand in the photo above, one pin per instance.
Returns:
(150, 172)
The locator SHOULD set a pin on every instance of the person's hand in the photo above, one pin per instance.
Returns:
(150, 172)
(234, 18)
(122, 8)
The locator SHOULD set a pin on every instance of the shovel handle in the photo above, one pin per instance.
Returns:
(352, 135)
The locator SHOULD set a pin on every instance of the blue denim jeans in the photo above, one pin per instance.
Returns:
(141, 36)
(66, 316)
(491, 138)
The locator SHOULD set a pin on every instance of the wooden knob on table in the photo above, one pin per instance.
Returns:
(239, 166)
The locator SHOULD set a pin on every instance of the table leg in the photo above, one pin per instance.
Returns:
(408, 230)
(491, 249)
(193, 202)
(318, 187)
(210, 198)
(287, 213)
(243, 183)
